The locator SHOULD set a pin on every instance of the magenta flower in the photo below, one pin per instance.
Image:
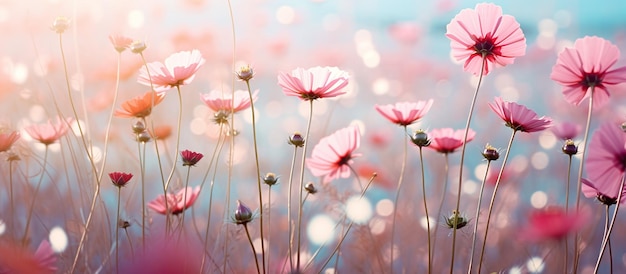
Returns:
(177, 203)
(313, 83)
(587, 65)
(485, 33)
(606, 159)
(44, 255)
(553, 223)
(120, 42)
(49, 133)
(566, 130)
(119, 179)
(590, 190)
(519, 117)
(179, 69)
(190, 158)
(332, 156)
(405, 113)
(219, 101)
(8, 139)
(447, 140)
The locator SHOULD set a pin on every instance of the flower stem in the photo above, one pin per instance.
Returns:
(569, 171)
(430, 260)
(395, 204)
(493, 199)
(480, 198)
(117, 229)
(108, 128)
(306, 142)
(443, 196)
(607, 236)
(141, 146)
(178, 125)
(258, 270)
(290, 192)
(32, 204)
(182, 222)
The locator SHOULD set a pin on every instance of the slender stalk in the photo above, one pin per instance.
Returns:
(141, 146)
(306, 142)
(480, 198)
(182, 221)
(11, 197)
(443, 196)
(467, 127)
(607, 237)
(569, 171)
(178, 125)
(290, 192)
(117, 229)
(32, 204)
(395, 204)
(430, 260)
(493, 198)
(130, 244)
(108, 128)
(269, 221)
(258, 270)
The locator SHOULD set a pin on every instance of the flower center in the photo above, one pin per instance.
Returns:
(344, 160)
(484, 46)
(592, 79)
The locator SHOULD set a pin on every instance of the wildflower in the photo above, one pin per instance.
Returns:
(447, 140)
(490, 153)
(137, 47)
(332, 156)
(313, 83)
(405, 113)
(119, 179)
(140, 106)
(162, 132)
(456, 220)
(588, 65)
(420, 138)
(590, 190)
(190, 158)
(245, 73)
(44, 255)
(605, 164)
(8, 139)
(243, 214)
(120, 42)
(48, 133)
(60, 24)
(16, 259)
(217, 101)
(519, 117)
(177, 203)
(485, 35)
(569, 147)
(310, 188)
(566, 130)
(296, 139)
(554, 223)
(270, 179)
(178, 69)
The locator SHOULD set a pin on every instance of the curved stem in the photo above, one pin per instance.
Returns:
(258, 270)
(302, 169)
(178, 125)
(430, 260)
(493, 198)
(32, 204)
(606, 237)
(290, 192)
(395, 204)
(108, 128)
(480, 198)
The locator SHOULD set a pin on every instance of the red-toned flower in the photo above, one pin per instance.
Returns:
(219, 101)
(313, 83)
(554, 223)
(49, 133)
(519, 117)
(44, 255)
(179, 69)
(405, 113)
(485, 33)
(566, 130)
(447, 140)
(587, 65)
(190, 158)
(590, 190)
(120, 42)
(175, 202)
(119, 179)
(606, 158)
(140, 106)
(332, 156)
(7, 139)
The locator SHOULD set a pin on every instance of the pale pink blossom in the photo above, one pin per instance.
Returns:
(519, 117)
(333, 155)
(314, 83)
(566, 130)
(228, 102)
(45, 257)
(178, 69)
(447, 140)
(405, 113)
(7, 139)
(176, 203)
(120, 42)
(49, 133)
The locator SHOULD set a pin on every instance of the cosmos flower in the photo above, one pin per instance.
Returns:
(190, 158)
(120, 42)
(140, 106)
(587, 65)
(179, 69)
(175, 202)
(405, 113)
(49, 133)
(332, 156)
(7, 139)
(566, 130)
(447, 140)
(554, 223)
(313, 83)
(606, 159)
(590, 190)
(219, 101)
(485, 33)
(519, 117)
(119, 179)
(44, 255)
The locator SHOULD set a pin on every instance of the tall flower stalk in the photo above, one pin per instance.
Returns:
(420, 139)
(32, 204)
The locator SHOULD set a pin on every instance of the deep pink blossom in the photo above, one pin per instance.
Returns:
(566, 130)
(45, 257)
(447, 140)
(314, 83)
(177, 203)
(587, 65)
(190, 158)
(405, 113)
(7, 139)
(519, 117)
(49, 133)
(590, 190)
(606, 158)
(554, 223)
(219, 101)
(332, 156)
(119, 179)
(485, 33)
(178, 69)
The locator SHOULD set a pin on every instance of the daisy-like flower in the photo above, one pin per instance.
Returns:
(218, 101)
(175, 202)
(606, 158)
(179, 69)
(332, 156)
(190, 158)
(119, 179)
(49, 133)
(44, 255)
(7, 139)
(590, 190)
(313, 83)
(484, 33)
(554, 223)
(405, 113)
(566, 130)
(120, 42)
(587, 65)
(447, 140)
(140, 106)
(519, 117)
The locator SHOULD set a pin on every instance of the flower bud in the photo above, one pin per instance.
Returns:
(606, 200)
(245, 73)
(490, 153)
(420, 138)
(143, 137)
(137, 46)
(310, 188)
(457, 220)
(270, 179)
(139, 127)
(221, 117)
(60, 24)
(123, 224)
(243, 214)
(569, 147)
(296, 139)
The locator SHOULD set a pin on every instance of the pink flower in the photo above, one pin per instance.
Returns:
(119, 179)
(553, 223)
(606, 159)
(219, 101)
(405, 113)
(44, 255)
(8, 139)
(190, 158)
(485, 33)
(447, 140)
(177, 203)
(49, 133)
(332, 156)
(590, 190)
(566, 130)
(179, 69)
(313, 83)
(120, 42)
(519, 117)
(140, 106)
(588, 65)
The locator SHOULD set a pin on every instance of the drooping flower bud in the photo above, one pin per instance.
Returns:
(310, 188)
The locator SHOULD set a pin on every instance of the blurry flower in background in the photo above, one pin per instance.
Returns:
(313, 83)
(606, 158)
(44, 255)
(485, 33)
(407, 33)
(519, 117)
(590, 190)
(178, 69)
(60, 24)
(166, 256)
(140, 106)
(7, 139)
(162, 132)
(404, 113)
(120, 42)
(587, 65)
(566, 130)
(137, 46)
(219, 101)
(190, 158)
(175, 202)
(332, 156)
(49, 133)
(119, 179)
(447, 140)
(554, 223)
(15, 259)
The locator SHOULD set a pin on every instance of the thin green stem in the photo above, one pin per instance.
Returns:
(395, 204)
(306, 142)
(430, 260)
(269, 220)
(480, 198)
(32, 204)
(256, 262)
(607, 236)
